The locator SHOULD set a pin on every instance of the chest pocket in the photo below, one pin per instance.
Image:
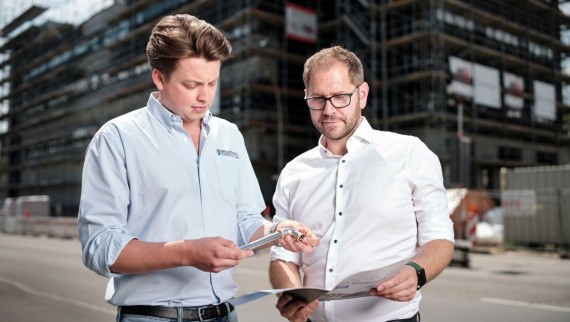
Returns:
(228, 172)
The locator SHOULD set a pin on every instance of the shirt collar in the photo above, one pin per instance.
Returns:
(166, 117)
(363, 134)
(364, 131)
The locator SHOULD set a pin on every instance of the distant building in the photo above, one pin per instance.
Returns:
(480, 82)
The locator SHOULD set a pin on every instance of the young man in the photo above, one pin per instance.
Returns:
(374, 198)
(169, 193)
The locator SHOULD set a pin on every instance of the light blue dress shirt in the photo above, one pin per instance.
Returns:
(143, 179)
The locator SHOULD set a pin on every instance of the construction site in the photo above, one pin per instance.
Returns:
(480, 82)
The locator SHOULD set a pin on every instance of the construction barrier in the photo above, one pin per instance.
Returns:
(61, 227)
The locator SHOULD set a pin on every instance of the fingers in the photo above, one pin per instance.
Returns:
(311, 239)
(215, 254)
(283, 300)
(293, 245)
(227, 249)
(306, 244)
(295, 310)
(402, 287)
(394, 294)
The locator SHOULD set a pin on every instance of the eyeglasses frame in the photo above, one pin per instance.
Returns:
(329, 98)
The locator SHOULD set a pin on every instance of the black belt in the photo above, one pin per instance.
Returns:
(198, 313)
(414, 318)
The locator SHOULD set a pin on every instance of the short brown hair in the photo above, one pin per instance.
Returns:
(180, 36)
(327, 56)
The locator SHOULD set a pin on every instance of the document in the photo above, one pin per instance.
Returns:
(356, 285)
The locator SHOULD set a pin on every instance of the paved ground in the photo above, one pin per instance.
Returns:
(43, 279)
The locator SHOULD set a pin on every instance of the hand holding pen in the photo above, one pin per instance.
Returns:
(288, 234)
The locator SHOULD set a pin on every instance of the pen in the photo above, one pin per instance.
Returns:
(274, 236)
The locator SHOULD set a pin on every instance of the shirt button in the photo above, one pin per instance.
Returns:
(331, 270)
(340, 213)
(335, 241)
(343, 161)
(341, 186)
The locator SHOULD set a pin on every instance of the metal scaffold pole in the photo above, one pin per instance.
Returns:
(384, 67)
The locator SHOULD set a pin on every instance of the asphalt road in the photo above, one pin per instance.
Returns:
(43, 279)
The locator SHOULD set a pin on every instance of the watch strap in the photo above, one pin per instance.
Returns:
(421, 274)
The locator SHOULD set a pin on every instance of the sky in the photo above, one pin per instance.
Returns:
(71, 11)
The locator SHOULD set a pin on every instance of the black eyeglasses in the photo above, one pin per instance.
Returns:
(318, 103)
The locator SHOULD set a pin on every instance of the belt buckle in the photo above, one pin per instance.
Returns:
(204, 310)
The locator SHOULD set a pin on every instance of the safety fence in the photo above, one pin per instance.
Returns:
(59, 227)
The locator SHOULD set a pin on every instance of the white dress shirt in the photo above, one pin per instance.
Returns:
(143, 179)
(371, 207)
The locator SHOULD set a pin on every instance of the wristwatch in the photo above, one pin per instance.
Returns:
(421, 273)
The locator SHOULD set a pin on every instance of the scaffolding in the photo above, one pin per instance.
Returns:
(408, 52)
(61, 82)
(524, 39)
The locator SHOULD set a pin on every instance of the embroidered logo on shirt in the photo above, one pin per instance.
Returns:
(227, 153)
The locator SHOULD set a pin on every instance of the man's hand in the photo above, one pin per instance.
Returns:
(295, 310)
(309, 241)
(402, 287)
(213, 254)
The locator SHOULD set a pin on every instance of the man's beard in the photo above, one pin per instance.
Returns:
(348, 127)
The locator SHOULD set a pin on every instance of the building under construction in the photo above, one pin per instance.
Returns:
(480, 82)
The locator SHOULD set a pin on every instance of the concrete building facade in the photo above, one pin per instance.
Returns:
(480, 82)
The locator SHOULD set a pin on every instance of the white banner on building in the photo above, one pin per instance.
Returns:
(514, 89)
(301, 23)
(473, 80)
(462, 80)
(544, 101)
(487, 86)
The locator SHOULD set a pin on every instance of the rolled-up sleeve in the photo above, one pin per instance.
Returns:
(429, 195)
(104, 202)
